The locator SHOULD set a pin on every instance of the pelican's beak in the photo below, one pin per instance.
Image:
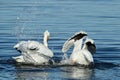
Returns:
(16, 46)
(86, 35)
(18, 50)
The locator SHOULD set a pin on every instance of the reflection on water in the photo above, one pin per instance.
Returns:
(47, 74)
(26, 75)
(77, 73)
(68, 72)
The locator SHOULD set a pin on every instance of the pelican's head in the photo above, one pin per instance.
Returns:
(46, 37)
(90, 45)
(19, 46)
(79, 35)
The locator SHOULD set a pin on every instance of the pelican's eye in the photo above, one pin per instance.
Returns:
(33, 49)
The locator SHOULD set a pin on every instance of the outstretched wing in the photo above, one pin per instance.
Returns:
(67, 45)
(70, 42)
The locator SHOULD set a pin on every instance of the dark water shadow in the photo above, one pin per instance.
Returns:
(98, 65)
(105, 65)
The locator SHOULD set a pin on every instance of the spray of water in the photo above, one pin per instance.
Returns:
(65, 59)
(25, 26)
(17, 28)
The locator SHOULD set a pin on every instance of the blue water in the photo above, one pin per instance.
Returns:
(28, 19)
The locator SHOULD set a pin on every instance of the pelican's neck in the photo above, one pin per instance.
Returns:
(84, 46)
(45, 41)
(78, 45)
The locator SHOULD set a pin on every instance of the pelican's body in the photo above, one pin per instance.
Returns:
(33, 51)
(80, 55)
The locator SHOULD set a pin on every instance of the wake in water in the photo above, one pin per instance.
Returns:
(56, 62)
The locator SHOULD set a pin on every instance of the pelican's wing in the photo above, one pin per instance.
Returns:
(28, 58)
(33, 45)
(67, 45)
(43, 50)
(70, 42)
(24, 58)
(19, 58)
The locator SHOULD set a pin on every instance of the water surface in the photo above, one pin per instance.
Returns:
(27, 20)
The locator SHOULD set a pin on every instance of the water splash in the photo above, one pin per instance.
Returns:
(65, 59)
(17, 28)
(25, 28)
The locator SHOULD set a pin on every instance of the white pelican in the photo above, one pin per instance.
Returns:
(84, 56)
(80, 55)
(33, 51)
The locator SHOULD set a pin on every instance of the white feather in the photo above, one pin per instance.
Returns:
(81, 56)
(67, 45)
(34, 52)
(71, 41)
